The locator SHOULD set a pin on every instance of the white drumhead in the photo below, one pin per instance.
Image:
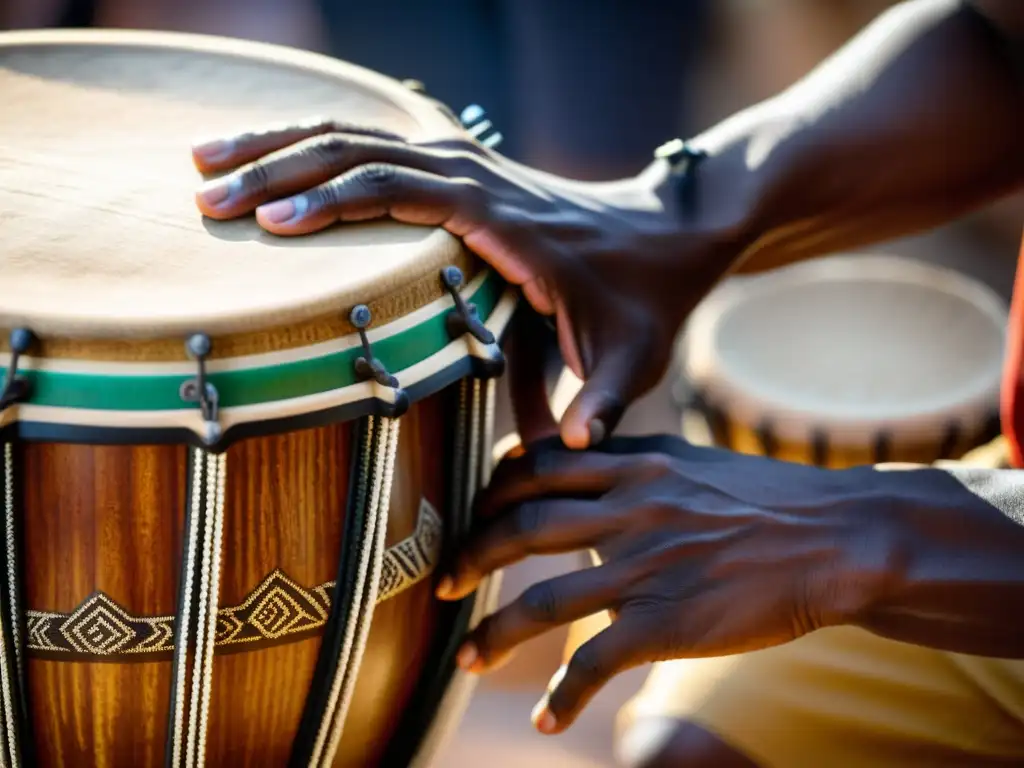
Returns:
(851, 344)
(101, 234)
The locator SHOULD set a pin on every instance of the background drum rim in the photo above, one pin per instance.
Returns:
(707, 372)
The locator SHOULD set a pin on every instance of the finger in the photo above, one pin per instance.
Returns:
(607, 654)
(315, 161)
(538, 294)
(619, 378)
(221, 154)
(567, 341)
(542, 607)
(547, 527)
(531, 405)
(460, 205)
(373, 191)
(552, 471)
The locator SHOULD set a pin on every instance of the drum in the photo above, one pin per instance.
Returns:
(232, 461)
(847, 361)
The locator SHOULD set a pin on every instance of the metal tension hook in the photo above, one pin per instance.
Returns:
(464, 318)
(199, 390)
(16, 388)
(369, 367)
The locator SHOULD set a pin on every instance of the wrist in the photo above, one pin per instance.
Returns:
(709, 198)
(873, 557)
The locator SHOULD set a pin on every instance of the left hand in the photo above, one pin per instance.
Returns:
(704, 553)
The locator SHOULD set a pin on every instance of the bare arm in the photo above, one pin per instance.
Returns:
(916, 121)
(956, 543)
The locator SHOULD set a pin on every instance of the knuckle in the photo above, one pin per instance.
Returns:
(325, 196)
(654, 466)
(380, 179)
(540, 603)
(659, 512)
(529, 519)
(327, 150)
(646, 607)
(254, 179)
(331, 125)
(473, 195)
(588, 664)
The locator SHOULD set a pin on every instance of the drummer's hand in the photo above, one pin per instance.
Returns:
(704, 553)
(613, 262)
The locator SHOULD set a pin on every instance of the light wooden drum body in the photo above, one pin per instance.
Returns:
(847, 361)
(232, 461)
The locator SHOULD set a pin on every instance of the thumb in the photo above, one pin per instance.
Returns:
(529, 342)
(596, 411)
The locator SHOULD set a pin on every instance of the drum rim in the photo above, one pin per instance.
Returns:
(424, 371)
(970, 406)
(431, 120)
(437, 244)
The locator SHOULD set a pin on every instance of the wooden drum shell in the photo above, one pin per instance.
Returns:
(109, 519)
(217, 436)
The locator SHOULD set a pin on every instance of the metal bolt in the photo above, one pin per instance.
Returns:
(360, 316)
(199, 345)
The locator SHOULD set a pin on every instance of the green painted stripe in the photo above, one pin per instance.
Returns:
(255, 385)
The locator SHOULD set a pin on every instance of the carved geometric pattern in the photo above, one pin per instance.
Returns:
(277, 609)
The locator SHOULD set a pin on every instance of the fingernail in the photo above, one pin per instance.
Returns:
(217, 191)
(444, 587)
(281, 211)
(466, 656)
(597, 431)
(213, 150)
(542, 718)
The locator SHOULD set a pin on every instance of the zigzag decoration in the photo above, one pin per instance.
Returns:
(278, 609)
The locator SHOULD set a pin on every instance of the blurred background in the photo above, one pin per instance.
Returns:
(587, 89)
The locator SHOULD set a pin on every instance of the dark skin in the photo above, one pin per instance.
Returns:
(706, 552)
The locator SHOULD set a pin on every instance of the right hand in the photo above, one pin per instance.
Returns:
(614, 263)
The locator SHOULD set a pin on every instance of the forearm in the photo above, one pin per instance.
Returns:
(954, 560)
(915, 122)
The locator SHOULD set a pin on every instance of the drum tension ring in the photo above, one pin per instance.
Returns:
(199, 390)
(16, 388)
(464, 318)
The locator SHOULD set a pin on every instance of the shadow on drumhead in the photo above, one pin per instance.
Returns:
(357, 234)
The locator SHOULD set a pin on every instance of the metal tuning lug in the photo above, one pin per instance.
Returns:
(414, 85)
(200, 390)
(369, 368)
(16, 388)
(464, 318)
(474, 119)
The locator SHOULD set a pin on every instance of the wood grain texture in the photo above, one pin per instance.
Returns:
(101, 519)
(110, 519)
(404, 626)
